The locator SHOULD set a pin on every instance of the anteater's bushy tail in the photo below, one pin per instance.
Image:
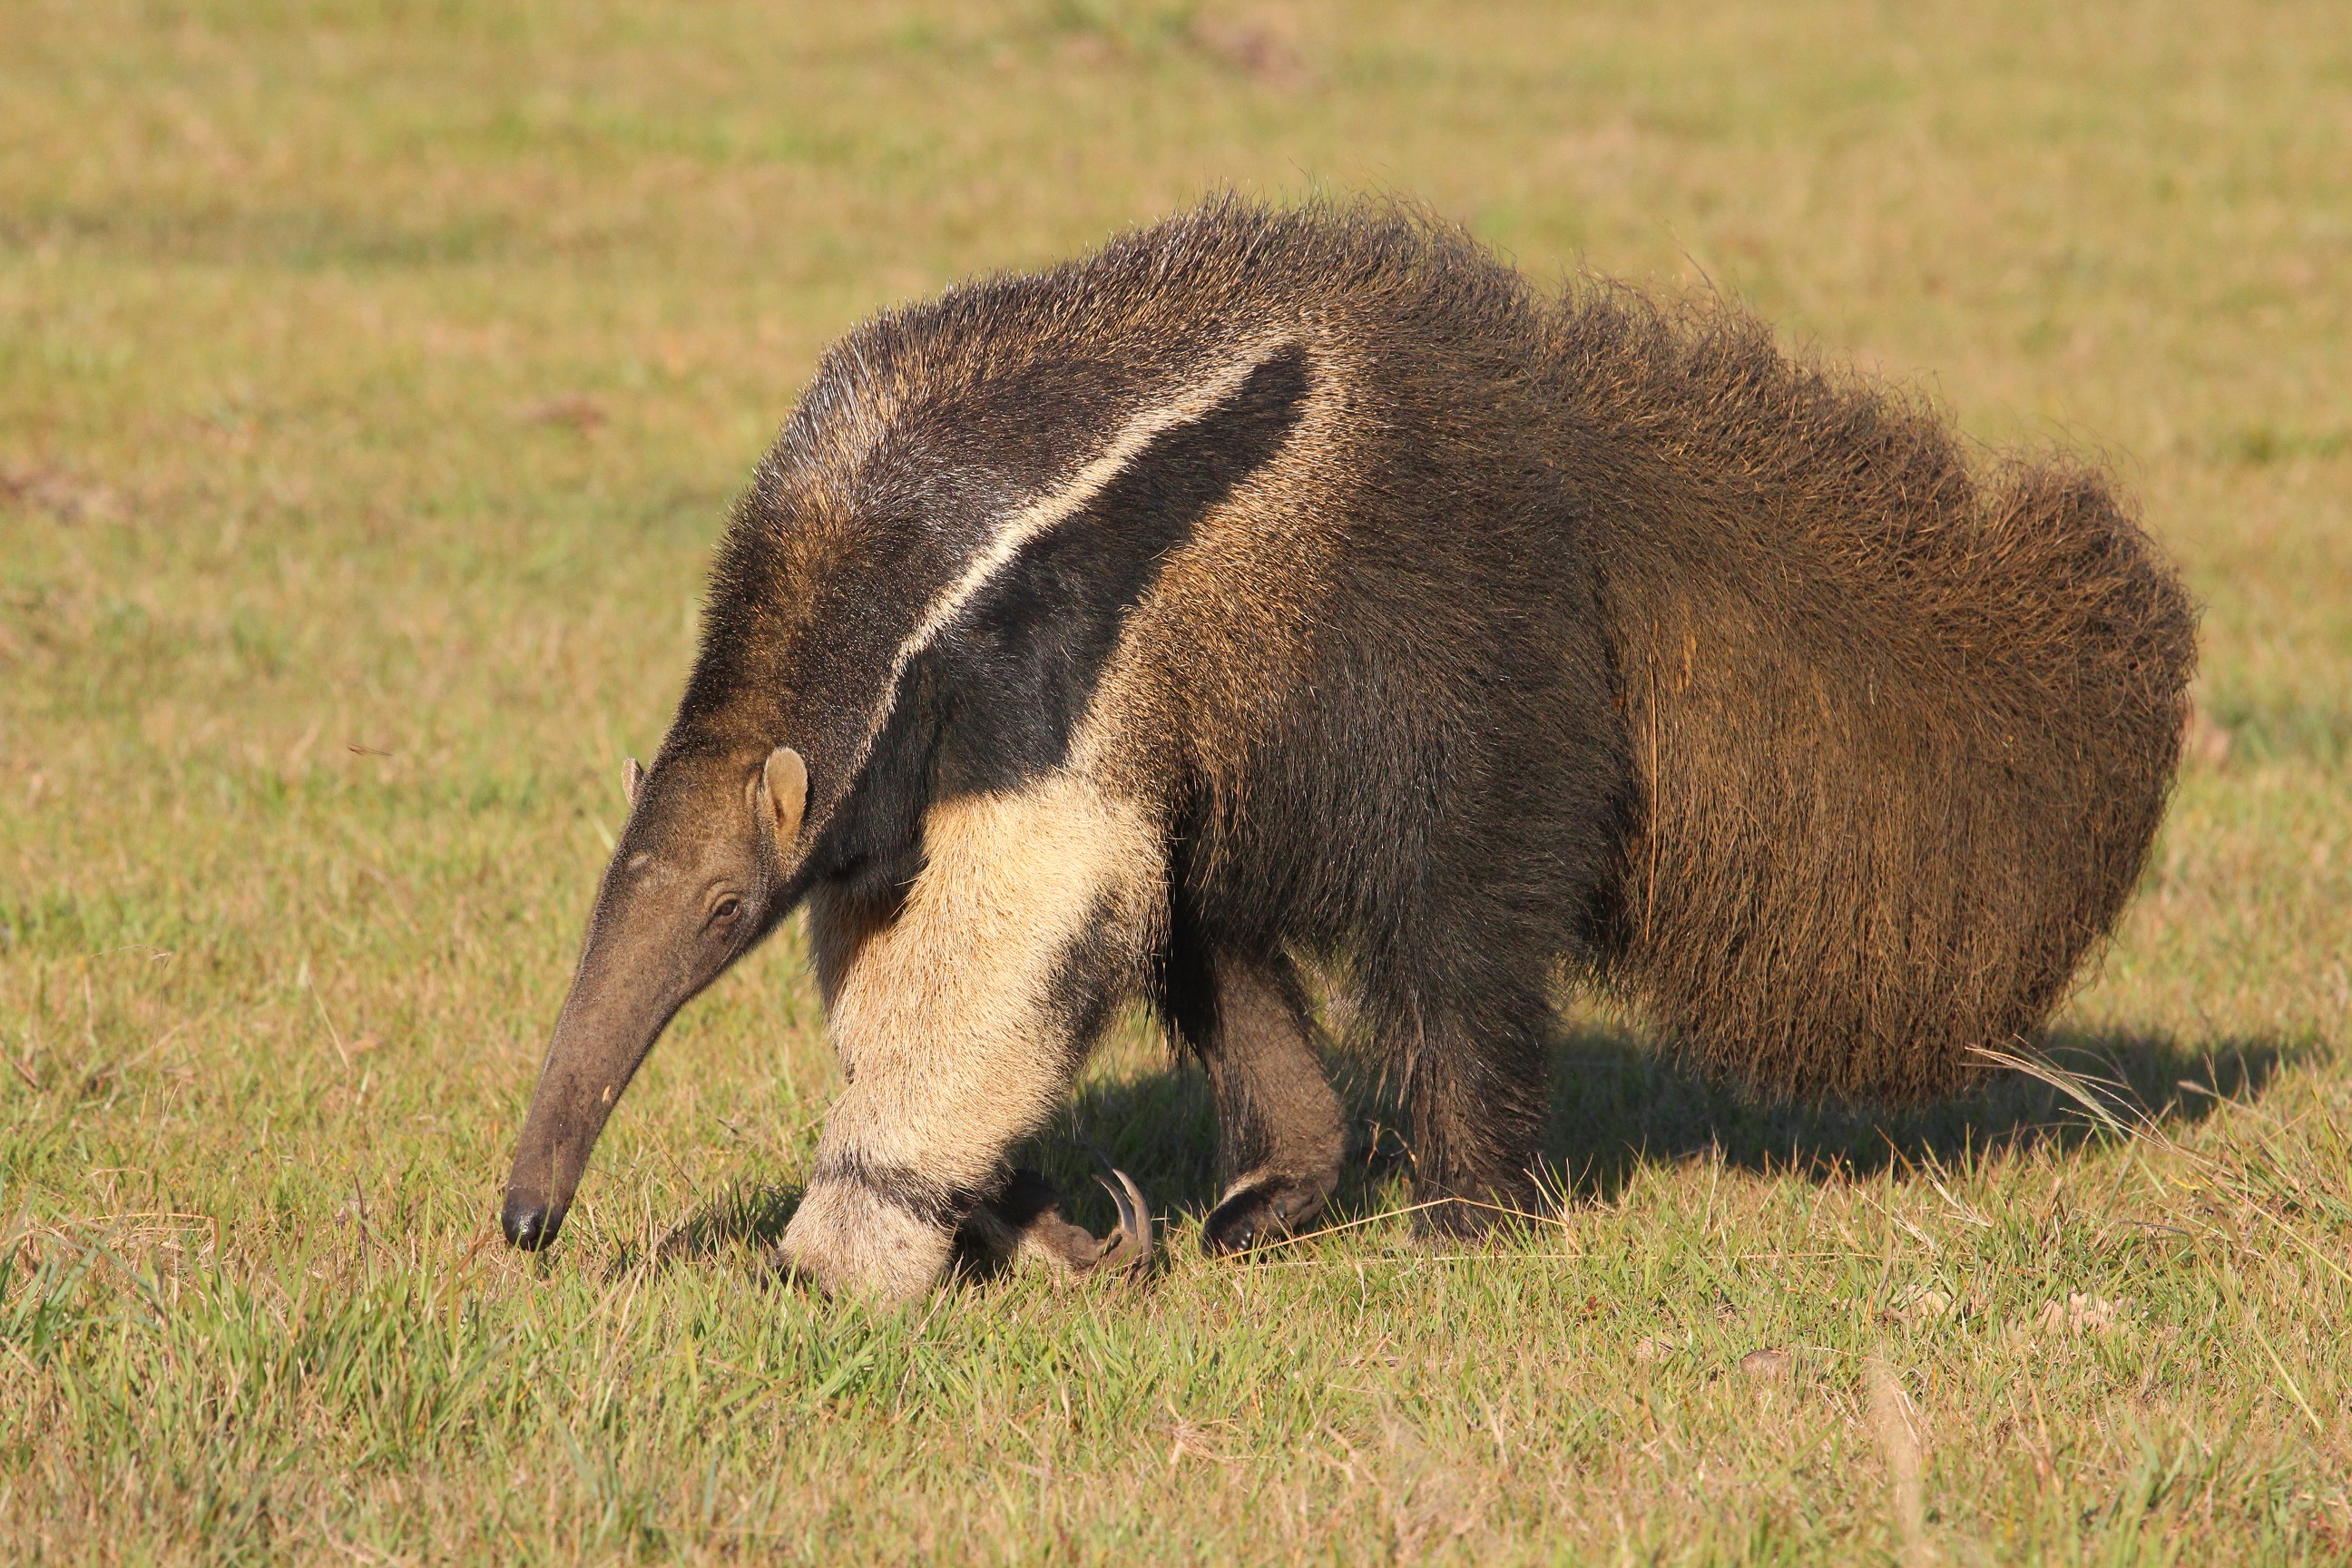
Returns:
(1903, 731)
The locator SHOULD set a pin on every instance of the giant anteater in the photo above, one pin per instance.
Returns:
(1282, 586)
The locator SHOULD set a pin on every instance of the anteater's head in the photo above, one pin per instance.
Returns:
(704, 869)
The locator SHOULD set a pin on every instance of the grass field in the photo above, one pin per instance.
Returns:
(375, 377)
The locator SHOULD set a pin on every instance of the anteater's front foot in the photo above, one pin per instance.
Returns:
(1025, 1222)
(849, 1237)
(1260, 1210)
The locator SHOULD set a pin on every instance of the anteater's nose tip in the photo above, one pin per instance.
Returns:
(528, 1223)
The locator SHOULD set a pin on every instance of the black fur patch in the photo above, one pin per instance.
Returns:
(1087, 978)
(875, 841)
(1017, 670)
(993, 701)
(932, 1202)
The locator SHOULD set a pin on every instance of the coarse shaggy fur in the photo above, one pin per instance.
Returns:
(1904, 732)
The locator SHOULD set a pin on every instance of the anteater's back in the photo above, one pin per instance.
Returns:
(1904, 732)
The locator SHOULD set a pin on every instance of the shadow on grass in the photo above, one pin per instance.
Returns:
(745, 1216)
(1617, 1106)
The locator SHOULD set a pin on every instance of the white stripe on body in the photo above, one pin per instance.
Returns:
(1039, 515)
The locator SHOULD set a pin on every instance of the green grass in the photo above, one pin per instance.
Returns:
(373, 379)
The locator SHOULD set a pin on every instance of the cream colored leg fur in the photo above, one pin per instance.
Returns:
(944, 1019)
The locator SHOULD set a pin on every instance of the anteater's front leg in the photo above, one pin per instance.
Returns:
(960, 1018)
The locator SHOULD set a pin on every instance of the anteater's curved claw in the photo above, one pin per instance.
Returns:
(1024, 1221)
(1128, 1247)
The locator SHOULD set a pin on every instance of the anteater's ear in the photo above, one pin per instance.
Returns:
(632, 776)
(784, 790)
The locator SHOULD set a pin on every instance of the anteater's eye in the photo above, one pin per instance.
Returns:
(726, 909)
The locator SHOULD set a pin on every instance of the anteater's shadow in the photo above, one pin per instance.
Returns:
(1618, 1105)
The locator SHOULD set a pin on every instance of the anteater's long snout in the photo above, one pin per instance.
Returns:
(599, 1042)
(552, 1151)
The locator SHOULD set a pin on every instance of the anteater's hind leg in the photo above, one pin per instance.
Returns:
(1280, 1135)
(1472, 1042)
